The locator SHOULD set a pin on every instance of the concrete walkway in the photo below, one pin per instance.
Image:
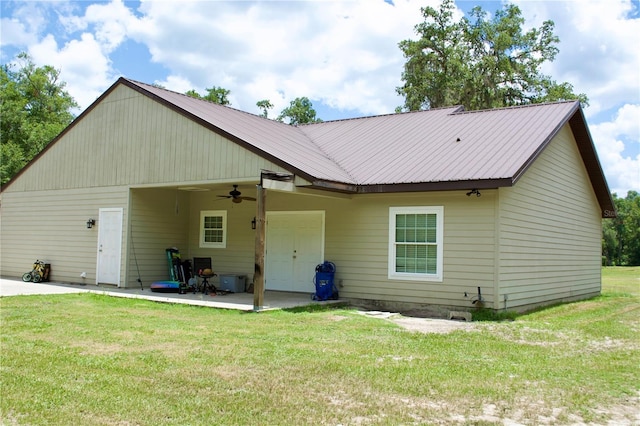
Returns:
(240, 301)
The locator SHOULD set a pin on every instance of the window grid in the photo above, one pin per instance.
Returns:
(416, 243)
(213, 232)
(213, 229)
(416, 248)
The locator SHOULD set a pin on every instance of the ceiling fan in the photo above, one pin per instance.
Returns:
(236, 196)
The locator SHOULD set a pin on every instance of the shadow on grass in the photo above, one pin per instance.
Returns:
(317, 308)
(485, 314)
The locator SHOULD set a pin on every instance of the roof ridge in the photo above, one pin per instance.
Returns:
(364, 117)
(515, 107)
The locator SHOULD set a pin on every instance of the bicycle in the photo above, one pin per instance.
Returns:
(36, 274)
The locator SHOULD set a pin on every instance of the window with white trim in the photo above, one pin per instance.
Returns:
(415, 243)
(213, 229)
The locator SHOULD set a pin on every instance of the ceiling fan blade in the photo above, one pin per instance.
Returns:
(236, 196)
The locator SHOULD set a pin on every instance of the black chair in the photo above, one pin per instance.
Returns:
(199, 265)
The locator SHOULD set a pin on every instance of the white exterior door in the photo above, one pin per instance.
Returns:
(109, 246)
(294, 246)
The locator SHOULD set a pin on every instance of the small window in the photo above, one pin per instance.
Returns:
(213, 229)
(415, 243)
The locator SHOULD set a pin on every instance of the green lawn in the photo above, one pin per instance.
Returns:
(617, 279)
(95, 360)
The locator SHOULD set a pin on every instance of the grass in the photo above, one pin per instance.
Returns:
(95, 360)
(624, 280)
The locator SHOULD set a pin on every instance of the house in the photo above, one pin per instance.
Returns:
(441, 208)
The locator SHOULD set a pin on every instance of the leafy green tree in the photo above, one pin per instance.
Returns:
(299, 111)
(265, 105)
(215, 94)
(480, 63)
(621, 235)
(35, 108)
(435, 71)
(632, 229)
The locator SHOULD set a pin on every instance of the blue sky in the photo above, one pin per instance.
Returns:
(343, 55)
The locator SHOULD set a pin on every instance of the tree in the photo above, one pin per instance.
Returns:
(481, 64)
(35, 108)
(621, 235)
(435, 66)
(265, 105)
(215, 94)
(299, 111)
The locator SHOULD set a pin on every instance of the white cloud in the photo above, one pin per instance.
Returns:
(110, 21)
(597, 52)
(22, 27)
(53, 33)
(622, 170)
(316, 49)
(15, 32)
(83, 65)
(342, 53)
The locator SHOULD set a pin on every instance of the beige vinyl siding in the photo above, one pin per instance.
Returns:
(51, 226)
(356, 241)
(126, 141)
(159, 220)
(550, 230)
(469, 245)
(239, 255)
(129, 139)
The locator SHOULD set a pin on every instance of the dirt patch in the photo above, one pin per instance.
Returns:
(418, 323)
(431, 325)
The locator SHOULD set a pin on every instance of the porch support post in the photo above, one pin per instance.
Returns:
(258, 273)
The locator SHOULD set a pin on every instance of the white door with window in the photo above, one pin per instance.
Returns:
(294, 246)
(109, 246)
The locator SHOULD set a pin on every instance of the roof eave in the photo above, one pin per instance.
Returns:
(589, 155)
(577, 121)
(412, 187)
(525, 166)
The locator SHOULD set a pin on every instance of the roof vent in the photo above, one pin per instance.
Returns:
(458, 140)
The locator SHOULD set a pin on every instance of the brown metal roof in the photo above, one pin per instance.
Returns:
(439, 149)
(441, 145)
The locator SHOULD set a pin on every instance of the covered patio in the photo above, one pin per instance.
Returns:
(239, 301)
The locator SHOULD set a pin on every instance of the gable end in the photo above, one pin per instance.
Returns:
(590, 158)
(588, 154)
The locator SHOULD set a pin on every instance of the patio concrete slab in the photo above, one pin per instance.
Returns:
(15, 287)
(239, 301)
